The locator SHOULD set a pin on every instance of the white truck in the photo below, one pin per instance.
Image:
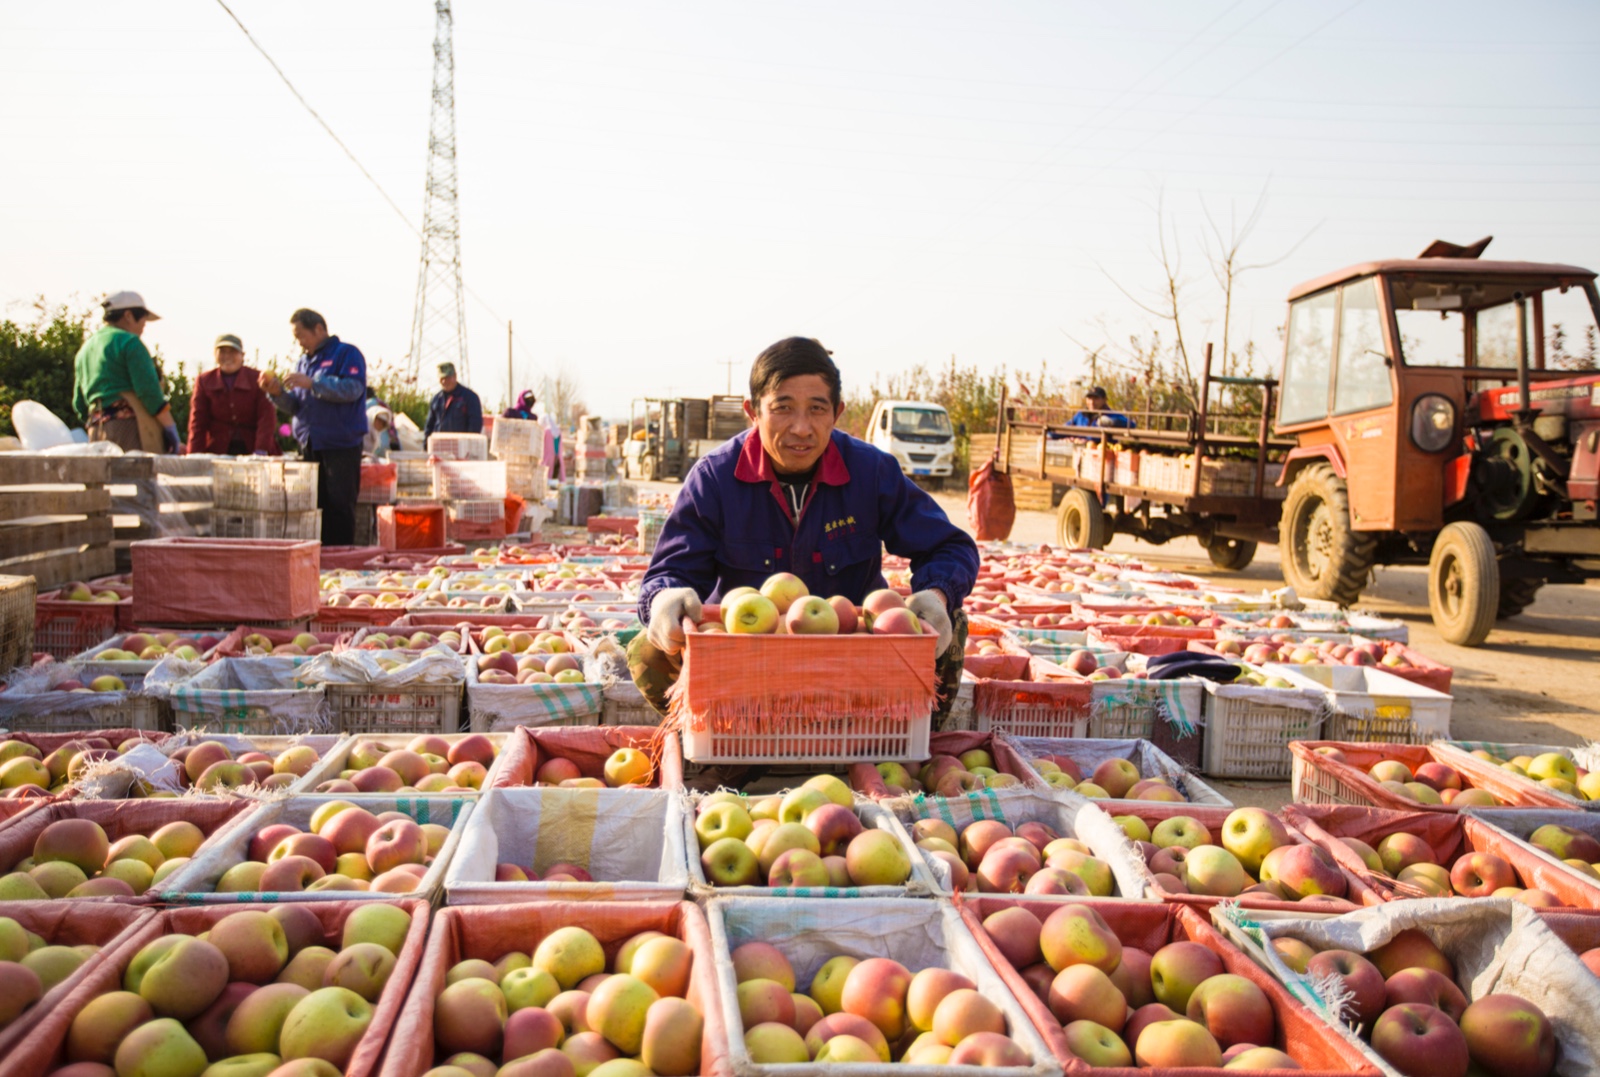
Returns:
(918, 435)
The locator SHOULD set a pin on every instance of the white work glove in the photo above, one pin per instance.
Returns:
(667, 612)
(929, 606)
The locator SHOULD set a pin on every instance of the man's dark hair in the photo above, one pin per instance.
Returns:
(114, 316)
(306, 318)
(791, 358)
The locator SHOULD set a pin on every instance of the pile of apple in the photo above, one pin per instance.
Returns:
(1404, 997)
(557, 1012)
(416, 641)
(873, 1011)
(150, 646)
(1411, 860)
(347, 848)
(1551, 770)
(810, 836)
(429, 763)
(258, 994)
(1314, 651)
(1257, 856)
(78, 591)
(444, 600)
(1163, 618)
(103, 682)
(948, 775)
(1573, 847)
(988, 857)
(387, 600)
(255, 645)
(1431, 783)
(623, 767)
(1087, 664)
(74, 858)
(1113, 779)
(30, 966)
(784, 605)
(210, 766)
(1119, 1005)
(527, 658)
(27, 772)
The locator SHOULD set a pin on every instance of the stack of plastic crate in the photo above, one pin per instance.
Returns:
(459, 447)
(589, 458)
(264, 498)
(519, 444)
(473, 493)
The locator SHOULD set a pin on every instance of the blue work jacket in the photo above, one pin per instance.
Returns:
(733, 527)
(332, 413)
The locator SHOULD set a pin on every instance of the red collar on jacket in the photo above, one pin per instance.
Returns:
(756, 466)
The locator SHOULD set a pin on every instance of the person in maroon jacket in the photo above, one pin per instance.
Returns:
(229, 413)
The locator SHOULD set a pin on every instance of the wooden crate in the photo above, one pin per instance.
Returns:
(55, 517)
(156, 496)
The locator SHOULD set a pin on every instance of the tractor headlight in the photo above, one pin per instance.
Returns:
(1433, 422)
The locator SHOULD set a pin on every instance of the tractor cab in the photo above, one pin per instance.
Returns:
(1404, 384)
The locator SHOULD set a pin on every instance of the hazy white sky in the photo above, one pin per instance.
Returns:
(650, 189)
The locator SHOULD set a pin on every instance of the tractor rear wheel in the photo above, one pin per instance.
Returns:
(1323, 556)
(1463, 584)
(1081, 522)
(1232, 554)
(1516, 595)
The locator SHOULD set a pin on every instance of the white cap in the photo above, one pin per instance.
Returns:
(128, 301)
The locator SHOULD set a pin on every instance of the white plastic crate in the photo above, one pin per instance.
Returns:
(527, 478)
(239, 523)
(476, 512)
(1248, 729)
(459, 446)
(412, 470)
(812, 740)
(517, 438)
(1373, 705)
(469, 480)
(262, 484)
(379, 493)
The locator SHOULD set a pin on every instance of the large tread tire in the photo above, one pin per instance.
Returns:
(1231, 554)
(1323, 556)
(1080, 521)
(1516, 595)
(1463, 584)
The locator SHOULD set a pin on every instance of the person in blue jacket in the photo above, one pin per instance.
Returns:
(326, 396)
(455, 409)
(793, 494)
(1095, 412)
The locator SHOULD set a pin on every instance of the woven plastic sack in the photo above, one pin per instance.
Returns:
(527, 749)
(43, 1049)
(1359, 757)
(867, 782)
(1497, 946)
(1148, 927)
(68, 923)
(631, 842)
(1151, 761)
(489, 932)
(119, 819)
(435, 665)
(873, 817)
(917, 934)
(250, 695)
(991, 503)
(195, 883)
(502, 708)
(1068, 814)
(31, 701)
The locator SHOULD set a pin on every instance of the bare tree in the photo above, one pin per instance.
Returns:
(558, 393)
(1227, 267)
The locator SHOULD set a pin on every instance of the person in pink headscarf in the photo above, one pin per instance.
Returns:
(523, 409)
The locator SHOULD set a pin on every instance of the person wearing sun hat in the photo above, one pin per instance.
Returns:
(229, 413)
(116, 386)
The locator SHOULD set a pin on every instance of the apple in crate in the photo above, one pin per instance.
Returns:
(346, 848)
(416, 766)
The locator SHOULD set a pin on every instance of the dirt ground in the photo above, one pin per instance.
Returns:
(1534, 682)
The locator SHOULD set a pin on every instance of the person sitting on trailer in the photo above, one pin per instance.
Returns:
(1095, 413)
(795, 494)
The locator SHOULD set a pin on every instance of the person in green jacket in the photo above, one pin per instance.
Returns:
(116, 388)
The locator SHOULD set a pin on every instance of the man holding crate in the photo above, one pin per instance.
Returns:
(793, 494)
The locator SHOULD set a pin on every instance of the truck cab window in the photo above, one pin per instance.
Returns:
(1308, 359)
(1363, 381)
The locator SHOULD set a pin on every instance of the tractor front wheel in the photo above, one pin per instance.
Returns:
(1081, 522)
(1323, 555)
(1463, 584)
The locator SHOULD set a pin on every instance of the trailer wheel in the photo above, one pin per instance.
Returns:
(1081, 522)
(1463, 584)
(1232, 554)
(1323, 556)
(1516, 595)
